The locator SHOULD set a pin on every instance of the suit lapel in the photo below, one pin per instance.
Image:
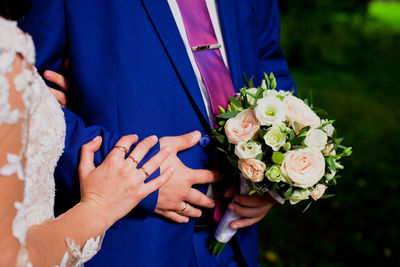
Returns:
(227, 18)
(165, 26)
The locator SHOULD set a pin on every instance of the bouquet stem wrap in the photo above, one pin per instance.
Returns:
(224, 233)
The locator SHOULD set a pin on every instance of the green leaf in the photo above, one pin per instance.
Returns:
(331, 163)
(233, 162)
(222, 150)
(221, 110)
(307, 207)
(228, 115)
(260, 156)
(327, 123)
(320, 112)
(296, 127)
(288, 193)
(220, 138)
(304, 130)
(259, 93)
(327, 196)
(297, 140)
(291, 134)
(298, 146)
(235, 101)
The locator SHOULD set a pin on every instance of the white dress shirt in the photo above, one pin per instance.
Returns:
(212, 9)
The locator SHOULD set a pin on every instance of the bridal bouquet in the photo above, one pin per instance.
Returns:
(276, 144)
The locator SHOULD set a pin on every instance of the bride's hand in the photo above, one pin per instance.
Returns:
(61, 82)
(116, 186)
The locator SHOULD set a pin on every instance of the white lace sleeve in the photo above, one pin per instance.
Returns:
(15, 103)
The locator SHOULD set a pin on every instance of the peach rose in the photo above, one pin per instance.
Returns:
(252, 169)
(298, 111)
(242, 127)
(305, 167)
(318, 191)
(327, 151)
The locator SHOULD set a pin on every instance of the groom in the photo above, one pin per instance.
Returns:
(133, 70)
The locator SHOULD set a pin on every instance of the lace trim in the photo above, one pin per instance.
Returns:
(88, 251)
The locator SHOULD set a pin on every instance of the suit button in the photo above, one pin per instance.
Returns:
(205, 141)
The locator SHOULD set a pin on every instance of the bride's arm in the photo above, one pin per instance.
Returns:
(108, 191)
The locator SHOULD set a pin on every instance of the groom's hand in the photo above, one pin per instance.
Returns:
(252, 209)
(178, 190)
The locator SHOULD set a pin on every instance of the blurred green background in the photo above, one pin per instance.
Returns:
(348, 53)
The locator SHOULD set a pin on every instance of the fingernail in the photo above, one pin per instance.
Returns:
(186, 220)
(213, 205)
(196, 134)
(234, 226)
(198, 214)
(154, 138)
(47, 74)
(168, 149)
(172, 169)
(96, 139)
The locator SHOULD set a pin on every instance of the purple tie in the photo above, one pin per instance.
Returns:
(204, 44)
(215, 74)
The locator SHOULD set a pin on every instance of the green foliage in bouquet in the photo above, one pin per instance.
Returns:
(264, 157)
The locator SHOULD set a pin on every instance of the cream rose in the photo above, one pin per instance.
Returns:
(299, 195)
(248, 150)
(274, 138)
(316, 139)
(242, 127)
(270, 110)
(252, 169)
(298, 111)
(318, 191)
(305, 167)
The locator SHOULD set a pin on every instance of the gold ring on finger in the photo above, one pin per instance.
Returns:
(133, 159)
(145, 172)
(184, 207)
(122, 148)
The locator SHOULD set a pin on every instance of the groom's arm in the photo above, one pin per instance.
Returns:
(272, 58)
(46, 23)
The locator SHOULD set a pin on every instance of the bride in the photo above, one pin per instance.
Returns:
(32, 132)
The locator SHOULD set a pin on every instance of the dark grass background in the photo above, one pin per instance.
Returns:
(348, 54)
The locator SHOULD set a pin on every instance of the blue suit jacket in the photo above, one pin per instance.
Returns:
(129, 73)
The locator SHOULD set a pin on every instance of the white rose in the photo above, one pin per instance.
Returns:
(305, 167)
(275, 138)
(316, 139)
(250, 99)
(247, 150)
(242, 127)
(298, 111)
(252, 169)
(329, 129)
(318, 191)
(270, 110)
(299, 195)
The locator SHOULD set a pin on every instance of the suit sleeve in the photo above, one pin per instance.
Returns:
(46, 23)
(272, 58)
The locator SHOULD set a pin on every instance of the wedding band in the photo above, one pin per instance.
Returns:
(122, 148)
(184, 208)
(145, 172)
(133, 159)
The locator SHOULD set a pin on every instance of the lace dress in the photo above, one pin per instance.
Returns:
(42, 141)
